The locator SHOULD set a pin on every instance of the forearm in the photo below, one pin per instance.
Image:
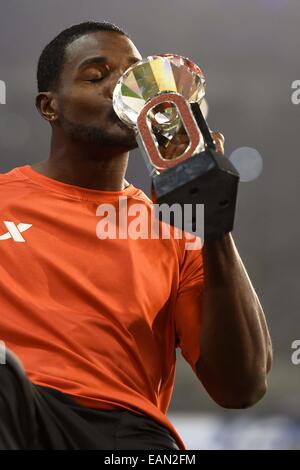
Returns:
(234, 339)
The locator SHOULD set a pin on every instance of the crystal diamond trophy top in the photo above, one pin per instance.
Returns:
(160, 97)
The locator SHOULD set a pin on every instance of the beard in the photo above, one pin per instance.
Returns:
(99, 136)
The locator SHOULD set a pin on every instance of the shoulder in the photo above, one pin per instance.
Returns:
(13, 184)
(10, 176)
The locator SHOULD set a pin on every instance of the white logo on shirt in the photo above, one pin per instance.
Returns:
(14, 231)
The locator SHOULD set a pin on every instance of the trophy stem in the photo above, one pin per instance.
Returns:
(203, 126)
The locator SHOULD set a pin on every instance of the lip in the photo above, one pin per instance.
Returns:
(113, 115)
(115, 118)
(119, 122)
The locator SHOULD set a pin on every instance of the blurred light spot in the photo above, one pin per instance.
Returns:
(248, 162)
(2, 92)
(14, 131)
(204, 108)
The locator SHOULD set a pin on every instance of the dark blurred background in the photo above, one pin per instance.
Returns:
(249, 52)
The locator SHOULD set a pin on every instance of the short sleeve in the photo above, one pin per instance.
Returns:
(187, 310)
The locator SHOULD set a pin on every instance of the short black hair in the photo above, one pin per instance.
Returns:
(52, 58)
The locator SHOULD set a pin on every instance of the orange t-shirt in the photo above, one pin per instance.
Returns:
(97, 319)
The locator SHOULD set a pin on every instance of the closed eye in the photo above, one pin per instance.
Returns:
(95, 80)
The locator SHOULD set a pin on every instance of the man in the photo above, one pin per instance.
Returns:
(95, 322)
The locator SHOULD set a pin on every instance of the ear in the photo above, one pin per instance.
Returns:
(47, 106)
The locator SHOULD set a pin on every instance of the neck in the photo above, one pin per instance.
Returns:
(86, 165)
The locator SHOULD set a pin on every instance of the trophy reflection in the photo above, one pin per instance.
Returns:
(160, 98)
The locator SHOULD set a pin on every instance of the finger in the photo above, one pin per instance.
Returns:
(219, 135)
(172, 150)
(219, 140)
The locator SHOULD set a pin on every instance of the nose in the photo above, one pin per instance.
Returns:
(114, 78)
(113, 81)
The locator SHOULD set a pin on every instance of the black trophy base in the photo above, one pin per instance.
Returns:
(207, 178)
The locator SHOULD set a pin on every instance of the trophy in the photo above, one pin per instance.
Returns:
(160, 97)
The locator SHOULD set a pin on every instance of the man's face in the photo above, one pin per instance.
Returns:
(93, 65)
